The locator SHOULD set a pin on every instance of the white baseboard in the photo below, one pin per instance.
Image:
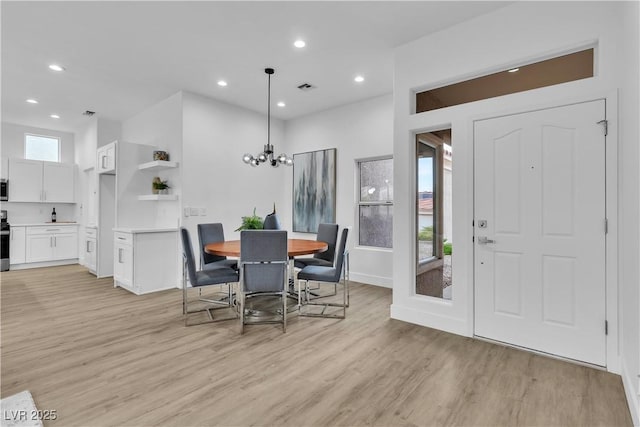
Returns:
(629, 379)
(418, 317)
(385, 282)
(42, 264)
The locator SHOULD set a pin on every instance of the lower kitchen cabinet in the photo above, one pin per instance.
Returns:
(145, 260)
(51, 243)
(17, 245)
(91, 250)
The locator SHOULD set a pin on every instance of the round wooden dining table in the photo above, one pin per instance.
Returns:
(295, 247)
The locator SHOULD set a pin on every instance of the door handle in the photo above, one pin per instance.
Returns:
(483, 240)
(103, 162)
(88, 249)
(120, 255)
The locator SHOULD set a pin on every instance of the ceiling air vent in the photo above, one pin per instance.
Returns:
(306, 87)
(88, 113)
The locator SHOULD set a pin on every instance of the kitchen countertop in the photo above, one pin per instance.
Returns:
(144, 230)
(35, 224)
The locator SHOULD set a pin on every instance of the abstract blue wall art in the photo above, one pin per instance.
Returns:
(314, 190)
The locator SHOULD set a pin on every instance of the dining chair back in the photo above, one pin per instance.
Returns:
(263, 271)
(201, 279)
(323, 274)
(327, 233)
(212, 233)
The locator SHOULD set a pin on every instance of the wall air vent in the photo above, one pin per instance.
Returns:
(306, 87)
(88, 113)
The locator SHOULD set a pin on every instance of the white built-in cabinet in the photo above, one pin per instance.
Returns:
(145, 259)
(41, 182)
(51, 243)
(17, 246)
(91, 249)
(106, 159)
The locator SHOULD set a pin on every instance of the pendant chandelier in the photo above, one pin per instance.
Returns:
(267, 154)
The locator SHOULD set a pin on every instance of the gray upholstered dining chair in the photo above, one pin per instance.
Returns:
(327, 233)
(212, 233)
(322, 274)
(264, 266)
(271, 222)
(199, 279)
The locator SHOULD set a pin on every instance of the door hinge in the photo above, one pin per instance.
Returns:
(606, 226)
(606, 327)
(605, 124)
(473, 239)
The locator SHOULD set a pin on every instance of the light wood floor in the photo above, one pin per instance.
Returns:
(102, 356)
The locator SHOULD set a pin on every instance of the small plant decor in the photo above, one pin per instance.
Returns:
(158, 185)
(253, 222)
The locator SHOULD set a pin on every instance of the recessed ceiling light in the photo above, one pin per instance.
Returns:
(56, 67)
(32, 101)
(54, 116)
(299, 44)
(281, 104)
(359, 79)
(513, 70)
(222, 83)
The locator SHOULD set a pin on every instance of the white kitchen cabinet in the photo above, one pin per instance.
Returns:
(41, 182)
(58, 182)
(123, 261)
(145, 260)
(25, 180)
(91, 250)
(65, 245)
(106, 159)
(17, 246)
(51, 243)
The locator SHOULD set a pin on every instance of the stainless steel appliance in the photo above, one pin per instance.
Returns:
(4, 190)
(5, 238)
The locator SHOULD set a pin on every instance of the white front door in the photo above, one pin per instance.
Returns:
(540, 230)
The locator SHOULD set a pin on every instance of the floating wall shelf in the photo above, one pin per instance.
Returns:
(158, 164)
(158, 197)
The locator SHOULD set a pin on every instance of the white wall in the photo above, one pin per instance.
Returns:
(12, 146)
(629, 179)
(159, 126)
(519, 33)
(215, 136)
(358, 131)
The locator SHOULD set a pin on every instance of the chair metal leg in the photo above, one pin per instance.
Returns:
(241, 312)
(284, 311)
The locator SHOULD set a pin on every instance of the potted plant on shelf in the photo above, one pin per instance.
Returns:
(253, 222)
(159, 186)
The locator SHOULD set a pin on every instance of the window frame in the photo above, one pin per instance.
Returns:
(360, 203)
(435, 259)
(28, 134)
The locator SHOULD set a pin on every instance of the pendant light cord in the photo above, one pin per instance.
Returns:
(269, 115)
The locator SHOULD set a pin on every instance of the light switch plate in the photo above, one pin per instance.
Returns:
(193, 211)
(203, 211)
(186, 212)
